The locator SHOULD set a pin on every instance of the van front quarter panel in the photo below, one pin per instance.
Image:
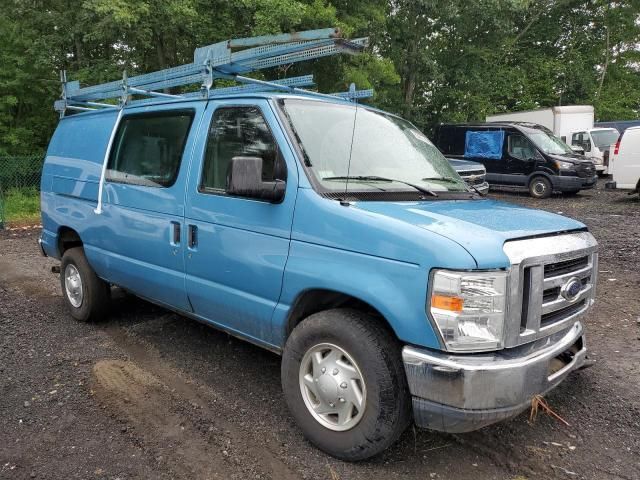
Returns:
(374, 258)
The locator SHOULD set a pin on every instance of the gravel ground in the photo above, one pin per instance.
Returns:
(150, 394)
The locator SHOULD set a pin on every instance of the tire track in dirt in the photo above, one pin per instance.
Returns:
(163, 403)
(144, 402)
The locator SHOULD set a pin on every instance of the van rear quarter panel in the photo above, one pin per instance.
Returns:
(71, 174)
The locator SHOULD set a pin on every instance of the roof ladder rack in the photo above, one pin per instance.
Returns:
(229, 60)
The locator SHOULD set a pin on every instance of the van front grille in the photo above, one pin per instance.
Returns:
(560, 268)
(551, 284)
(586, 171)
(473, 177)
(558, 315)
(468, 173)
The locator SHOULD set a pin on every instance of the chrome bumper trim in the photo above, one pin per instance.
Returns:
(459, 393)
(42, 252)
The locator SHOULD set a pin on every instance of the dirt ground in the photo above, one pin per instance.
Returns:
(150, 394)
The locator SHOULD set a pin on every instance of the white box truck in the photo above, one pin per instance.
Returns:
(573, 124)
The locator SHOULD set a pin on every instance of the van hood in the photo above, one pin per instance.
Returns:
(574, 158)
(462, 165)
(479, 226)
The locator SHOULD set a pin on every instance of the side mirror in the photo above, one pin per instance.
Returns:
(587, 146)
(244, 179)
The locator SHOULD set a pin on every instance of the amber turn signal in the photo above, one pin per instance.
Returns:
(444, 302)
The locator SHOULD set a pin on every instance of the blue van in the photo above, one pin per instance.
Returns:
(333, 234)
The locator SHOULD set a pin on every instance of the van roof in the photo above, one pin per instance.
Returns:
(504, 123)
(161, 104)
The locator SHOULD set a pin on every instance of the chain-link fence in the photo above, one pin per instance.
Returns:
(20, 189)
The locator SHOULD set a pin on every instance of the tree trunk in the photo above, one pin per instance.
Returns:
(607, 53)
(410, 75)
(161, 54)
(78, 51)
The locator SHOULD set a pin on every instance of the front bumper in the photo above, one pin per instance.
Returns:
(563, 183)
(461, 393)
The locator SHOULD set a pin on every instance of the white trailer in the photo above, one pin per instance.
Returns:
(573, 124)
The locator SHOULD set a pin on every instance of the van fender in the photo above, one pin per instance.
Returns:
(396, 290)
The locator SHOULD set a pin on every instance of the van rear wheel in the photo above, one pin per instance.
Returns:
(85, 294)
(344, 383)
(540, 187)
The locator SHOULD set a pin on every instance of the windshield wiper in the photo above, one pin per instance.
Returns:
(442, 179)
(375, 178)
(475, 189)
(453, 180)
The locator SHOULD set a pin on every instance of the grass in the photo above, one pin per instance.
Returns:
(20, 205)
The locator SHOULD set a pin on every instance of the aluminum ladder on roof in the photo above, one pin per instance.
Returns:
(229, 60)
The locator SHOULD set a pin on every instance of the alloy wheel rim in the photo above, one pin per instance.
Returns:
(539, 188)
(332, 387)
(73, 285)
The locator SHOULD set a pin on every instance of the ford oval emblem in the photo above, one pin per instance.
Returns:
(571, 290)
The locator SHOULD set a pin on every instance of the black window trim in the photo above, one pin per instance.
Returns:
(220, 191)
(191, 112)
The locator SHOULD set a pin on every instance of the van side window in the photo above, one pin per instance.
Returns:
(520, 147)
(148, 148)
(239, 132)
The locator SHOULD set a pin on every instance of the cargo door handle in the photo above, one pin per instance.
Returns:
(192, 236)
(175, 234)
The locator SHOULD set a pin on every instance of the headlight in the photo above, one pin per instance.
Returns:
(564, 165)
(469, 308)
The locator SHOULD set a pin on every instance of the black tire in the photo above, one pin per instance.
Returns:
(95, 291)
(540, 187)
(378, 355)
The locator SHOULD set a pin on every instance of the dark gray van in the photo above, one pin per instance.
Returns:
(518, 156)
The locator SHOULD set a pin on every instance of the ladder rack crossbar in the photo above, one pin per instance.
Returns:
(351, 95)
(218, 61)
(323, 33)
(302, 81)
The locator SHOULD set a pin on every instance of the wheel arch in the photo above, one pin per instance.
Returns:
(539, 173)
(67, 238)
(316, 300)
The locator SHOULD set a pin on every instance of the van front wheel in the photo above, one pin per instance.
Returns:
(85, 294)
(344, 383)
(540, 187)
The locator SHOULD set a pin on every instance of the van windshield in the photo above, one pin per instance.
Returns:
(349, 148)
(549, 143)
(605, 138)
